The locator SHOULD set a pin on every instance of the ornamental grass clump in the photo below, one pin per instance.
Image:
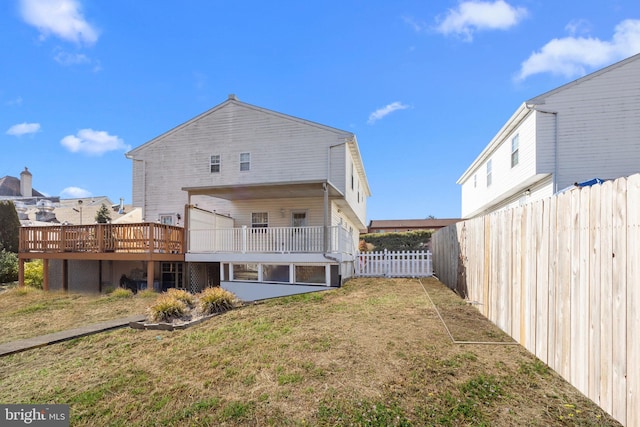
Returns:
(182, 295)
(167, 308)
(215, 300)
(120, 293)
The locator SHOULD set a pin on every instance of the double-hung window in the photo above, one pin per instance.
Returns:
(515, 148)
(245, 161)
(259, 220)
(215, 163)
(489, 173)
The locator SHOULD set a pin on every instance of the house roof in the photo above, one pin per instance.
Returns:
(349, 137)
(540, 99)
(411, 223)
(10, 187)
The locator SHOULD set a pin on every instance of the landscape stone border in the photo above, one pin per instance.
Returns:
(165, 326)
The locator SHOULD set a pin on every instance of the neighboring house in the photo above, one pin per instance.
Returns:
(262, 203)
(589, 128)
(402, 225)
(34, 208)
(21, 192)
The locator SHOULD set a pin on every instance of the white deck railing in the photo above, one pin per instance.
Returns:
(270, 240)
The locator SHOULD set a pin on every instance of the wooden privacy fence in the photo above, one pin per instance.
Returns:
(562, 277)
(394, 264)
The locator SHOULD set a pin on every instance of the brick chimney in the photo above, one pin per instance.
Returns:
(26, 183)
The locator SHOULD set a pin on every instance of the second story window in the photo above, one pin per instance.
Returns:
(515, 148)
(475, 180)
(488, 173)
(352, 180)
(215, 163)
(245, 161)
(259, 219)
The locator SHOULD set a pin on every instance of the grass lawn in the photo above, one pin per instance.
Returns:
(372, 353)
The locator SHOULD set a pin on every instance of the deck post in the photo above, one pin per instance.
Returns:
(45, 274)
(65, 275)
(150, 265)
(21, 272)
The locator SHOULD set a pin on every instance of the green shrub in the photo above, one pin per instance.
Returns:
(182, 295)
(33, 273)
(8, 267)
(166, 308)
(405, 241)
(215, 300)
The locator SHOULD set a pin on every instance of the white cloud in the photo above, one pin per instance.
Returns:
(65, 58)
(571, 56)
(93, 142)
(417, 26)
(471, 16)
(14, 102)
(386, 110)
(23, 129)
(578, 26)
(62, 18)
(74, 193)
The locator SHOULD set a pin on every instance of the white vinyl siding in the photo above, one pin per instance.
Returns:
(585, 129)
(503, 176)
(282, 149)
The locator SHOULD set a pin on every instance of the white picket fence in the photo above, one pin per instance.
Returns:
(394, 264)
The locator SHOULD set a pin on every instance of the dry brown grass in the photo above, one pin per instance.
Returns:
(373, 353)
(28, 312)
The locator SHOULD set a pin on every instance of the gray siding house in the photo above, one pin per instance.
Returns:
(589, 128)
(271, 204)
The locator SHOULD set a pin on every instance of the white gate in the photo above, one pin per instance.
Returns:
(394, 264)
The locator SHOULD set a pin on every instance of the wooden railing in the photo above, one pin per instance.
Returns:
(126, 238)
(270, 240)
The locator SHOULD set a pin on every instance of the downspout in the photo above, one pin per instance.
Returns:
(325, 188)
(533, 107)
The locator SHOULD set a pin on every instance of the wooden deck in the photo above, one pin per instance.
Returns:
(146, 240)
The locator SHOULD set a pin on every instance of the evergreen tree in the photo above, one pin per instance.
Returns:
(103, 216)
(9, 227)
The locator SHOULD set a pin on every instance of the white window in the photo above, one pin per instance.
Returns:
(352, 180)
(475, 180)
(515, 146)
(166, 219)
(259, 219)
(298, 219)
(245, 161)
(489, 173)
(215, 163)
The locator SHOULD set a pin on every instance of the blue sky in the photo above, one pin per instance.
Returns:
(423, 84)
